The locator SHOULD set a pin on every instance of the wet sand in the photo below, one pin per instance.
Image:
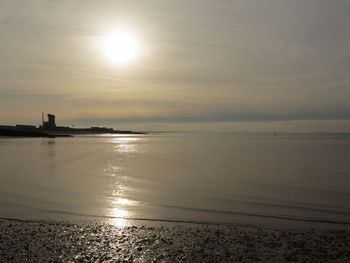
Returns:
(23, 241)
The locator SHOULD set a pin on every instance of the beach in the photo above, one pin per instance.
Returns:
(49, 241)
(138, 198)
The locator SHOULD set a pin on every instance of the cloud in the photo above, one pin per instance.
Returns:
(217, 117)
(204, 61)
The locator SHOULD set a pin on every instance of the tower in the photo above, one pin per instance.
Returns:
(50, 124)
(51, 121)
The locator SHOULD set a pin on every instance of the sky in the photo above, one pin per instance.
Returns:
(202, 64)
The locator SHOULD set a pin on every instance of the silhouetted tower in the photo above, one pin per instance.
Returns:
(51, 120)
(50, 124)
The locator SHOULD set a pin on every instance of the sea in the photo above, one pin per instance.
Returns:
(287, 180)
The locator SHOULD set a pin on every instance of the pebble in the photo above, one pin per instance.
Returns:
(64, 242)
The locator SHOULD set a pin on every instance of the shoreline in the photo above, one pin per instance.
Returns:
(50, 241)
(15, 132)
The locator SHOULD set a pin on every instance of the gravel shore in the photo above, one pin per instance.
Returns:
(22, 241)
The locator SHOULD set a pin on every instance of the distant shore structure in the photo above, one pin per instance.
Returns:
(51, 123)
(50, 129)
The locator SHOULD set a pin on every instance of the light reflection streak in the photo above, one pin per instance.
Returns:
(119, 213)
(126, 144)
(119, 206)
(126, 148)
(118, 217)
(112, 170)
(119, 222)
(124, 201)
(127, 139)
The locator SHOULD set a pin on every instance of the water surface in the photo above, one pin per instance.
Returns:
(215, 178)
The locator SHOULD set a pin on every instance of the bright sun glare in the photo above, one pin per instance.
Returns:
(120, 47)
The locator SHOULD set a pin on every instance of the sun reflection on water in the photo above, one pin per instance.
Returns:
(121, 207)
(119, 213)
(118, 217)
(124, 201)
(127, 139)
(127, 144)
(126, 148)
(112, 170)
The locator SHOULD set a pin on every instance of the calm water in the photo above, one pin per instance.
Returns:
(259, 179)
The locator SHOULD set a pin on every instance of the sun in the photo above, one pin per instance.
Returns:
(121, 47)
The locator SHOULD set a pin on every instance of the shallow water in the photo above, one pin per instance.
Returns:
(216, 178)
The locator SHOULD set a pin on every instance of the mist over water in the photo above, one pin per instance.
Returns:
(215, 178)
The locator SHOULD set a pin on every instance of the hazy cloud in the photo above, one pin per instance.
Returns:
(202, 61)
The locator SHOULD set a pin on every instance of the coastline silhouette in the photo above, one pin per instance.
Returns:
(50, 129)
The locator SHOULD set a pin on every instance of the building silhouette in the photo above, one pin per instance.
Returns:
(51, 123)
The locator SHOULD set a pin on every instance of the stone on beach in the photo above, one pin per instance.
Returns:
(64, 242)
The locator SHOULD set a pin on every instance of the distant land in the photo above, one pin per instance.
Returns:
(49, 129)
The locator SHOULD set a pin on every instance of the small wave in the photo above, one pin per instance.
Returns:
(314, 220)
(289, 206)
(289, 218)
